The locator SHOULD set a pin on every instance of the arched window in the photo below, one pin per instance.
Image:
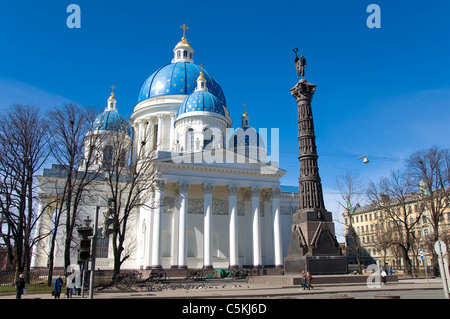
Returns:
(178, 54)
(235, 143)
(185, 54)
(155, 137)
(190, 140)
(123, 159)
(247, 145)
(108, 155)
(102, 244)
(207, 137)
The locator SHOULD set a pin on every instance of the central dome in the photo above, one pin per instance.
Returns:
(178, 78)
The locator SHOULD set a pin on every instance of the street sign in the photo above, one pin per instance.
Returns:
(441, 251)
(440, 248)
(421, 253)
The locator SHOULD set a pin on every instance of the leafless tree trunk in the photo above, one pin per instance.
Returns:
(431, 170)
(129, 180)
(350, 188)
(70, 127)
(24, 148)
(393, 196)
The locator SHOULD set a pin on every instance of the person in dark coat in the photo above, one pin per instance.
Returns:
(57, 286)
(20, 286)
(308, 280)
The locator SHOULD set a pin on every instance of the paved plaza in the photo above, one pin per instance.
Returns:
(239, 289)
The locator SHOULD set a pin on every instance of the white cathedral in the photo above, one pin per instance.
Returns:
(206, 213)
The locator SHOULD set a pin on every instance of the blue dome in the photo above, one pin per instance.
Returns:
(201, 101)
(178, 78)
(111, 120)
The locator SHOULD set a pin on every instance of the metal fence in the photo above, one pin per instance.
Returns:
(38, 279)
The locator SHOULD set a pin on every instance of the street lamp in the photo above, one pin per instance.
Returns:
(87, 222)
(364, 158)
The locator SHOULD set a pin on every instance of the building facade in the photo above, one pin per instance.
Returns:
(377, 233)
(217, 202)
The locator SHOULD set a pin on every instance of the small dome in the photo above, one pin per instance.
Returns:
(201, 101)
(246, 136)
(247, 141)
(111, 120)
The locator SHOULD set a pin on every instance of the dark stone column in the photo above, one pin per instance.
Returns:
(313, 246)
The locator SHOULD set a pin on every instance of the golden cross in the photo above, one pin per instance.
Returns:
(113, 87)
(184, 27)
(245, 107)
(201, 65)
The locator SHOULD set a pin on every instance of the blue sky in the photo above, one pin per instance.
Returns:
(382, 92)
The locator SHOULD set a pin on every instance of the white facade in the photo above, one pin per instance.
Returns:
(213, 207)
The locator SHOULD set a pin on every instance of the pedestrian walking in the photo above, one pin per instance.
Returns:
(303, 280)
(308, 281)
(20, 286)
(70, 284)
(383, 277)
(57, 287)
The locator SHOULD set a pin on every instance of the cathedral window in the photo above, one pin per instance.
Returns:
(101, 249)
(107, 155)
(179, 54)
(185, 54)
(247, 145)
(207, 137)
(190, 140)
(155, 137)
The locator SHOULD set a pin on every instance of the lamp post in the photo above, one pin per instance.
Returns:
(84, 231)
(94, 246)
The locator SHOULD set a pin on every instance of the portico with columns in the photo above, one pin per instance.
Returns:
(211, 223)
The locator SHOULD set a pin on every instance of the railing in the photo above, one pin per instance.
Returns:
(39, 278)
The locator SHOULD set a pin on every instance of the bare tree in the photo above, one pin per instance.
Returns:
(350, 187)
(431, 170)
(24, 148)
(393, 196)
(74, 150)
(129, 178)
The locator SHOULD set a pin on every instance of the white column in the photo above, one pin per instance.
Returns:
(43, 231)
(207, 225)
(182, 223)
(159, 139)
(256, 231)
(149, 214)
(233, 231)
(278, 251)
(157, 213)
(140, 138)
(172, 131)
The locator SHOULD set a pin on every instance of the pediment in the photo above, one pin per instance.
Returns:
(220, 159)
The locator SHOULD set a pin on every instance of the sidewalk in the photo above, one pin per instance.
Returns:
(241, 289)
